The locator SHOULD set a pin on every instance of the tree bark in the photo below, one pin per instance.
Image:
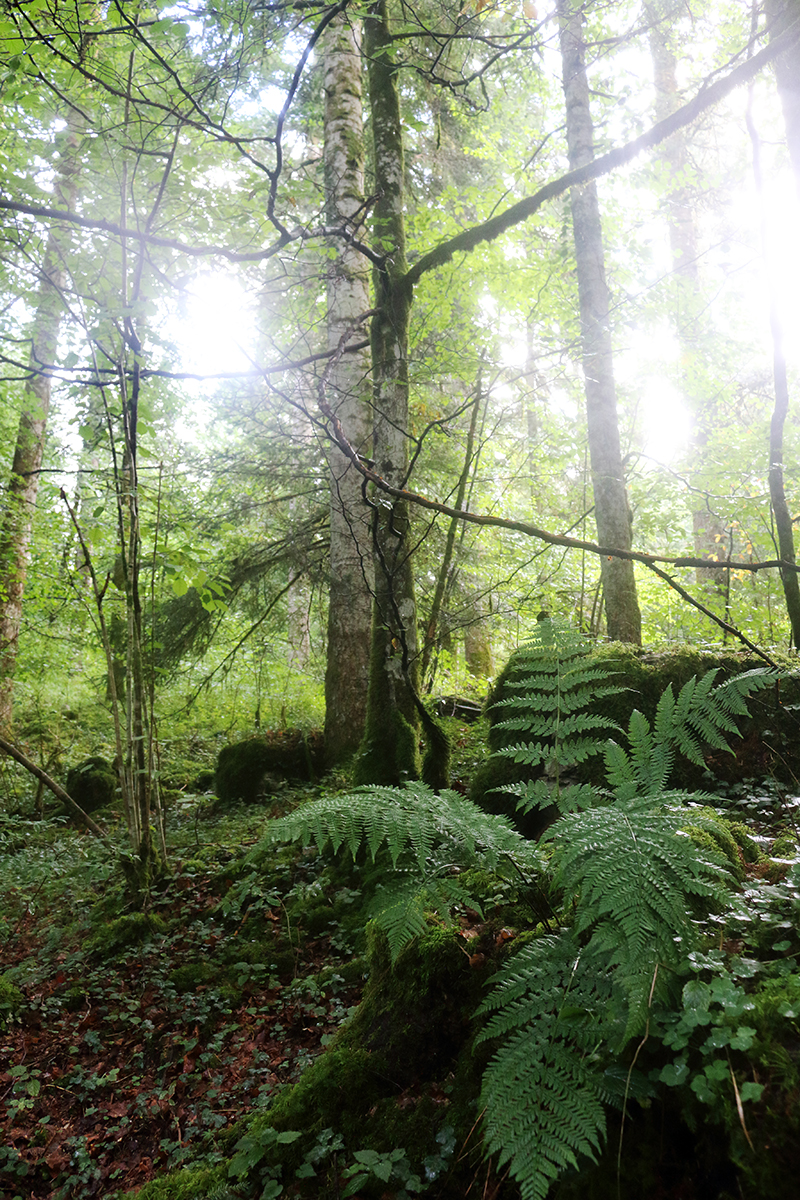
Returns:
(782, 14)
(786, 67)
(612, 512)
(351, 571)
(23, 486)
(707, 527)
(389, 752)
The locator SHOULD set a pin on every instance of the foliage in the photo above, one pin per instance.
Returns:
(635, 889)
(428, 837)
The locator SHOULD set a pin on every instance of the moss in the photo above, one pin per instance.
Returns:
(784, 846)
(769, 742)
(749, 848)
(189, 1184)
(389, 753)
(719, 829)
(389, 750)
(193, 975)
(243, 766)
(132, 929)
(92, 784)
(415, 1013)
(709, 844)
(398, 1073)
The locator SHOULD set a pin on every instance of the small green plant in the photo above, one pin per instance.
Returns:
(392, 1168)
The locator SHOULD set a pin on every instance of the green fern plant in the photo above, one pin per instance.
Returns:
(634, 889)
(548, 722)
(430, 840)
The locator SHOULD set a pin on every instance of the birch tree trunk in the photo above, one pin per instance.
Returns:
(707, 527)
(23, 486)
(389, 751)
(612, 512)
(351, 572)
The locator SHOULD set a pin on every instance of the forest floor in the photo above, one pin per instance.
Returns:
(141, 1039)
(138, 1042)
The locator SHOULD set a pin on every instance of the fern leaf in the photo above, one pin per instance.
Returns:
(635, 875)
(543, 1102)
(542, 793)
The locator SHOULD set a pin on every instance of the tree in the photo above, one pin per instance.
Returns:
(350, 563)
(389, 752)
(23, 486)
(612, 511)
(192, 131)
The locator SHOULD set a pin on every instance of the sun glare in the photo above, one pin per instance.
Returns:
(215, 331)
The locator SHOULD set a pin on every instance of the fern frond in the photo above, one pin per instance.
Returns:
(427, 835)
(400, 912)
(733, 695)
(401, 908)
(635, 875)
(542, 1099)
(652, 754)
(412, 820)
(542, 793)
(547, 699)
(701, 716)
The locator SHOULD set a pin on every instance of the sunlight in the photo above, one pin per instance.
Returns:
(666, 420)
(215, 329)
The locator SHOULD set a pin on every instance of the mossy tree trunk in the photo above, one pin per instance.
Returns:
(23, 486)
(351, 572)
(612, 512)
(389, 752)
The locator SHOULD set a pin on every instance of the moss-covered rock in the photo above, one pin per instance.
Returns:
(123, 933)
(93, 783)
(191, 1183)
(243, 767)
(400, 1081)
(769, 743)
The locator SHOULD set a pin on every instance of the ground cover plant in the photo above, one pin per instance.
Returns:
(133, 1039)
(392, 992)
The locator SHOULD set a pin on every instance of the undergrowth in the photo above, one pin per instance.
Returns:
(636, 884)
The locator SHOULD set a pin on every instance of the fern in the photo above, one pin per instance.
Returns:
(638, 878)
(634, 887)
(428, 836)
(553, 685)
(700, 717)
(543, 1091)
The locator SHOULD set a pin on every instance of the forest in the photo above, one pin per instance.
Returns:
(399, 601)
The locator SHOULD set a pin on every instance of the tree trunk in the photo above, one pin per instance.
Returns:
(707, 527)
(23, 487)
(780, 15)
(389, 752)
(351, 572)
(786, 68)
(612, 512)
